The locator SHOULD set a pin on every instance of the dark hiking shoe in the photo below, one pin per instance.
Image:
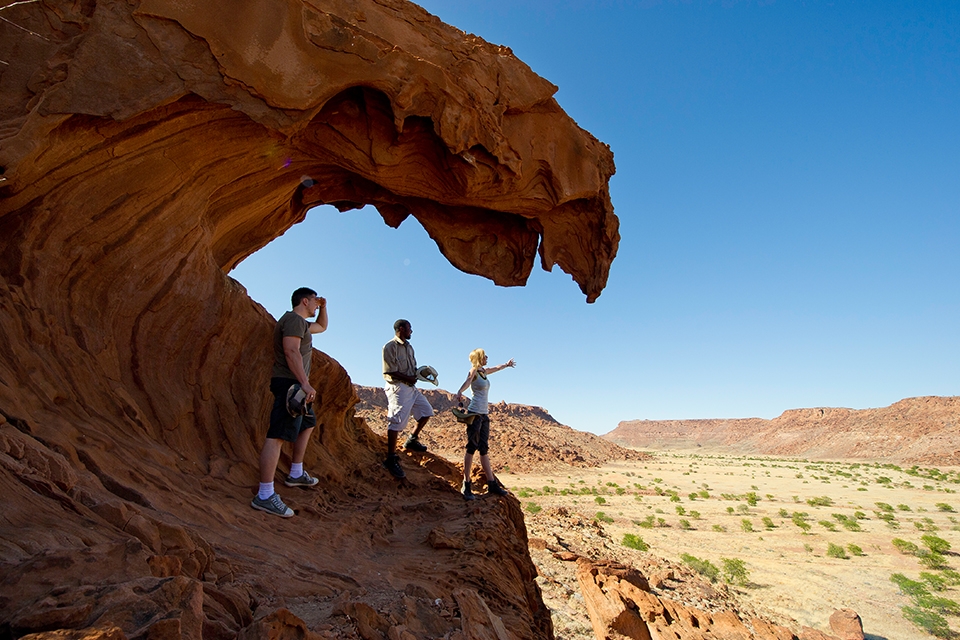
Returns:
(272, 505)
(467, 491)
(494, 487)
(413, 444)
(392, 464)
(306, 480)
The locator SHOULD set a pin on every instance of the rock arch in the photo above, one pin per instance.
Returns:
(149, 147)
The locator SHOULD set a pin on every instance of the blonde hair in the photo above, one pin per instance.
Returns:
(476, 357)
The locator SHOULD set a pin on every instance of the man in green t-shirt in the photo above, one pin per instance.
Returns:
(292, 355)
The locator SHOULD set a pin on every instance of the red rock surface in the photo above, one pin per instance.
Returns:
(846, 624)
(145, 149)
(621, 605)
(922, 430)
(523, 439)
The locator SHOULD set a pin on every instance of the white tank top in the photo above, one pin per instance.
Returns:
(480, 388)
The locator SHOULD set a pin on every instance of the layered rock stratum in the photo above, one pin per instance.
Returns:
(523, 438)
(924, 430)
(148, 147)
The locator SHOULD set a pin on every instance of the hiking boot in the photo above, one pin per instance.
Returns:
(392, 464)
(273, 505)
(412, 444)
(494, 487)
(467, 491)
(306, 480)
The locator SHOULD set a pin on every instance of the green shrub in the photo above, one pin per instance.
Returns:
(768, 523)
(889, 518)
(854, 550)
(951, 576)
(674, 498)
(826, 524)
(800, 519)
(634, 542)
(904, 547)
(931, 559)
(681, 511)
(783, 513)
(719, 529)
(932, 623)
(752, 498)
(851, 525)
(742, 508)
(703, 493)
(909, 587)
(695, 515)
(935, 581)
(646, 523)
(600, 500)
(935, 543)
(746, 525)
(704, 567)
(938, 604)
(685, 524)
(903, 507)
(943, 506)
(533, 507)
(820, 501)
(730, 510)
(602, 517)
(883, 506)
(734, 571)
(836, 551)
(926, 524)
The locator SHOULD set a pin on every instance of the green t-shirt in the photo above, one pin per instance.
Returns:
(290, 324)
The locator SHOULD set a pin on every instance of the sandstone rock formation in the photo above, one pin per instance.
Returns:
(145, 149)
(915, 430)
(523, 439)
(846, 624)
(621, 606)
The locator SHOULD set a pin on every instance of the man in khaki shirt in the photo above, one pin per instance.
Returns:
(403, 397)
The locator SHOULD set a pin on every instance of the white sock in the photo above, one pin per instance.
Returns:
(296, 469)
(266, 490)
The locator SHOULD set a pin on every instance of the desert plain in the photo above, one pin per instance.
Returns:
(712, 505)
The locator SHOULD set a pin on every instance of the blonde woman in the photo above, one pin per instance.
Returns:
(478, 431)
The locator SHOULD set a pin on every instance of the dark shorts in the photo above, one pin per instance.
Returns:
(478, 432)
(283, 426)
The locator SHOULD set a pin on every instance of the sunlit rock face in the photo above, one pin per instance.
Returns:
(146, 149)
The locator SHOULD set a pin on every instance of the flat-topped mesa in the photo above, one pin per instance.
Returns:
(254, 116)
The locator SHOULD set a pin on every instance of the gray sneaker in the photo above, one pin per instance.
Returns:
(413, 444)
(393, 466)
(273, 505)
(306, 480)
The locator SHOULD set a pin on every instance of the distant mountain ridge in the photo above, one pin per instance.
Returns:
(922, 430)
(523, 438)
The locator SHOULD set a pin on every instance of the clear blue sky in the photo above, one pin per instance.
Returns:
(788, 187)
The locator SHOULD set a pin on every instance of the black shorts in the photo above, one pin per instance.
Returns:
(478, 433)
(283, 426)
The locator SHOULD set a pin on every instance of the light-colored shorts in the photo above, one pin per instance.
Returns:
(401, 401)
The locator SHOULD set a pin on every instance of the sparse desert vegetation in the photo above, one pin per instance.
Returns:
(795, 538)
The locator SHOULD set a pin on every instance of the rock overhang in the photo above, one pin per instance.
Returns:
(410, 115)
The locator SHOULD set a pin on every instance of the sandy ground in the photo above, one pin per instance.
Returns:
(791, 577)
